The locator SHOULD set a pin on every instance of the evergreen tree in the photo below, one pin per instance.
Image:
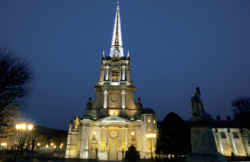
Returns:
(242, 112)
(174, 136)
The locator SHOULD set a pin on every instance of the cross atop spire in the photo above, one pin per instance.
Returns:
(116, 47)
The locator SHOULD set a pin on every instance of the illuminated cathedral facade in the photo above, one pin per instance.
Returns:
(113, 121)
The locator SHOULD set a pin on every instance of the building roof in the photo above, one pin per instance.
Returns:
(215, 123)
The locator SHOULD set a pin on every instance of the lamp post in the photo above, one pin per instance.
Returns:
(23, 129)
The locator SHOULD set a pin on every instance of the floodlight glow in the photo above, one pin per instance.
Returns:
(30, 127)
(151, 135)
(4, 144)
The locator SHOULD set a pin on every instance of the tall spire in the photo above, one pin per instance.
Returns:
(116, 47)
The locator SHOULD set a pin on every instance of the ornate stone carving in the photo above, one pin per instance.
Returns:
(113, 134)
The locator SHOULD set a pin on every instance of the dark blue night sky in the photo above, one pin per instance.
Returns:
(175, 45)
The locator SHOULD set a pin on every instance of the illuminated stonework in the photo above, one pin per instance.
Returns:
(108, 138)
(113, 121)
(232, 141)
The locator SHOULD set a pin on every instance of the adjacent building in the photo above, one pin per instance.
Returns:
(231, 140)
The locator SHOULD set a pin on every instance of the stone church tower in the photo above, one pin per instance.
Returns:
(114, 90)
(113, 121)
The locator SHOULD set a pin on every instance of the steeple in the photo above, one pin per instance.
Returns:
(116, 47)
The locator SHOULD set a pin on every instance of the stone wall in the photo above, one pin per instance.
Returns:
(231, 141)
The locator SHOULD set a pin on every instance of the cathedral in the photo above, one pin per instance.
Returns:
(113, 121)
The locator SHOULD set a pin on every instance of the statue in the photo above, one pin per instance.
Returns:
(198, 112)
(202, 140)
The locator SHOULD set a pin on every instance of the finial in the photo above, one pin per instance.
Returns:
(103, 54)
(128, 55)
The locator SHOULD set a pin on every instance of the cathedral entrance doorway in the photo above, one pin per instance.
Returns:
(114, 144)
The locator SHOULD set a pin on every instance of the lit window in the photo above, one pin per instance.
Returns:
(235, 135)
(223, 135)
(149, 120)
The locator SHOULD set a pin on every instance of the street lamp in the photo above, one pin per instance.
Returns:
(24, 126)
(30, 127)
(22, 130)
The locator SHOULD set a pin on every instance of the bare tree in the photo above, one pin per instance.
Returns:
(242, 111)
(241, 105)
(15, 73)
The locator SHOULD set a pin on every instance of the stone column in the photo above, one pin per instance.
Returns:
(126, 138)
(105, 102)
(123, 72)
(82, 141)
(107, 73)
(102, 73)
(220, 142)
(231, 138)
(86, 147)
(120, 139)
(98, 138)
(244, 139)
(128, 75)
(123, 93)
(106, 138)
